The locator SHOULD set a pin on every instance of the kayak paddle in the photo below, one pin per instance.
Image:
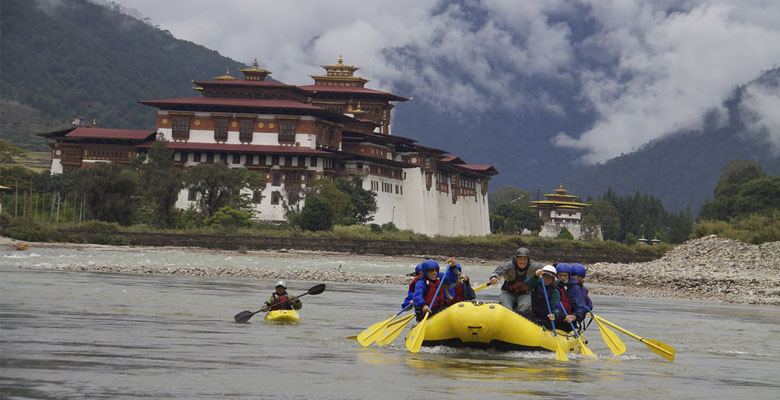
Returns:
(244, 316)
(560, 355)
(415, 337)
(370, 334)
(660, 348)
(584, 350)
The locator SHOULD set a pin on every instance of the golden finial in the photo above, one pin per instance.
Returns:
(226, 77)
(254, 64)
(341, 59)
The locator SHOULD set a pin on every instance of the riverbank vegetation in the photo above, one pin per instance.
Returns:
(142, 196)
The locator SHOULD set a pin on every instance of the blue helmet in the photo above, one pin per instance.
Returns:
(563, 267)
(418, 269)
(578, 269)
(428, 265)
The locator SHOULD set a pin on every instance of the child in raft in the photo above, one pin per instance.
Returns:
(578, 272)
(541, 306)
(571, 299)
(427, 287)
(280, 300)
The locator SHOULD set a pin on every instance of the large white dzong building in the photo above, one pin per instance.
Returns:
(293, 134)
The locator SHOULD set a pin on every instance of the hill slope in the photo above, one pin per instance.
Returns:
(76, 58)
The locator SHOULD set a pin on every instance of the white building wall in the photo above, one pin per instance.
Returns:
(56, 165)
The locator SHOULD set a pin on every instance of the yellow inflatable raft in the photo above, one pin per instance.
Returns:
(283, 316)
(490, 325)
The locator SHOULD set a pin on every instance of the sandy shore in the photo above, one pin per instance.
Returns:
(709, 269)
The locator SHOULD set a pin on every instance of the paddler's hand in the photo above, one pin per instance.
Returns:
(551, 317)
(425, 309)
(295, 298)
(493, 280)
(539, 273)
(570, 318)
(451, 262)
(264, 309)
(465, 279)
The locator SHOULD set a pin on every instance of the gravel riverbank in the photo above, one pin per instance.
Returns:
(709, 269)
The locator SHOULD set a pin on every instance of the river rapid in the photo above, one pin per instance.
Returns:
(69, 335)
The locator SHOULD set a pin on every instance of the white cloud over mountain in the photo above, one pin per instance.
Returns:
(646, 68)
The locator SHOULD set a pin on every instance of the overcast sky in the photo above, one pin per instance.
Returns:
(652, 67)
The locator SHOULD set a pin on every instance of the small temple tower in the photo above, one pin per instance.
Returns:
(558, 211)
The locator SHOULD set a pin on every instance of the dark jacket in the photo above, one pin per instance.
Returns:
(538, 305)
(576, 299)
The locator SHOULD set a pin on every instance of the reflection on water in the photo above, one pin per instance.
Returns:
(73, 335)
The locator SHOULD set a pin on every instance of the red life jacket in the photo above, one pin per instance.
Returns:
(281, 299)
(459, 294)
(414, 281)
(430, 290)
(565, 300)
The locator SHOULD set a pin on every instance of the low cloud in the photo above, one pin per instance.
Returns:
(645, 68)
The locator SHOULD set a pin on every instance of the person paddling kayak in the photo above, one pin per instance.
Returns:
(280, 300)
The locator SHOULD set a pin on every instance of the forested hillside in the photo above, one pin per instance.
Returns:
(76, 58)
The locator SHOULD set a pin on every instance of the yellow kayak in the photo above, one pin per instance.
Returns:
(283, 316)
(490, 325)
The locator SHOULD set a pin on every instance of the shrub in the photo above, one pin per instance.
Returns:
(229, 218)
(117, 240)
(565, 234)
(99, 226)
(389, 227)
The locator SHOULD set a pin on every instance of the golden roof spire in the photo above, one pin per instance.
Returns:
(341, 59)
(226, 77)
(254, 73)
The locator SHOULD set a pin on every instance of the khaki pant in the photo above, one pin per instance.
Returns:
(508, 300)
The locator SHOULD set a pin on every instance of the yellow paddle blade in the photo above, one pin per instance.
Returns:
(367, 337)
(560, 355)
(611, 339)
(415, 337)
(393, 331)
(584, 350)
(660, 348)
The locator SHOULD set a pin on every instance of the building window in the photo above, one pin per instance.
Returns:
(192, 194)
(287, 131)
(274, 160)
(375, 186)
(236, 159)
(209, 157)
(276, 178)
(245, 128)
(221, 129)
(181, 127)
(292, 178)
(257, 196)
(275, 197)
(314, 162)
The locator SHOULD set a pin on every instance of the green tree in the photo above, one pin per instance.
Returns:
(733, 176)
(217, 185)
(317, 214)
(507, 194)
(9, 151)
(363, 201)
(590, 228)
(229, 218)
(565, 234)
(680, 226)
(110, 191)
(517, 217)
(607, 216)
(758, 196)
(162, 183)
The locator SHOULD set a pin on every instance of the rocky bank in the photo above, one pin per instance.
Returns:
(708, 269)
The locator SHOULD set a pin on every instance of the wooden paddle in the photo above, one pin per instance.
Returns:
(560, 355)
(244, 316)
(395, 328)
(660, 348)
(415, 337)
(584, 350)
(610, 338)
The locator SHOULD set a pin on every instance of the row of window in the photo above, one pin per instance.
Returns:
(261, 159)
(181, 129)
(387, 187)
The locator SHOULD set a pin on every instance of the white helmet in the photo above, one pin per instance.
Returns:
(282, 284)
(549, 269)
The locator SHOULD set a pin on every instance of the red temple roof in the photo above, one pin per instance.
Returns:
(351, 89)
(231, 101)
(105, 133)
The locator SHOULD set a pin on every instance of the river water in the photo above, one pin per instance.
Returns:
(75, 335)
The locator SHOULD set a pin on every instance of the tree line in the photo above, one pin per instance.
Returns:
(146, 192)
